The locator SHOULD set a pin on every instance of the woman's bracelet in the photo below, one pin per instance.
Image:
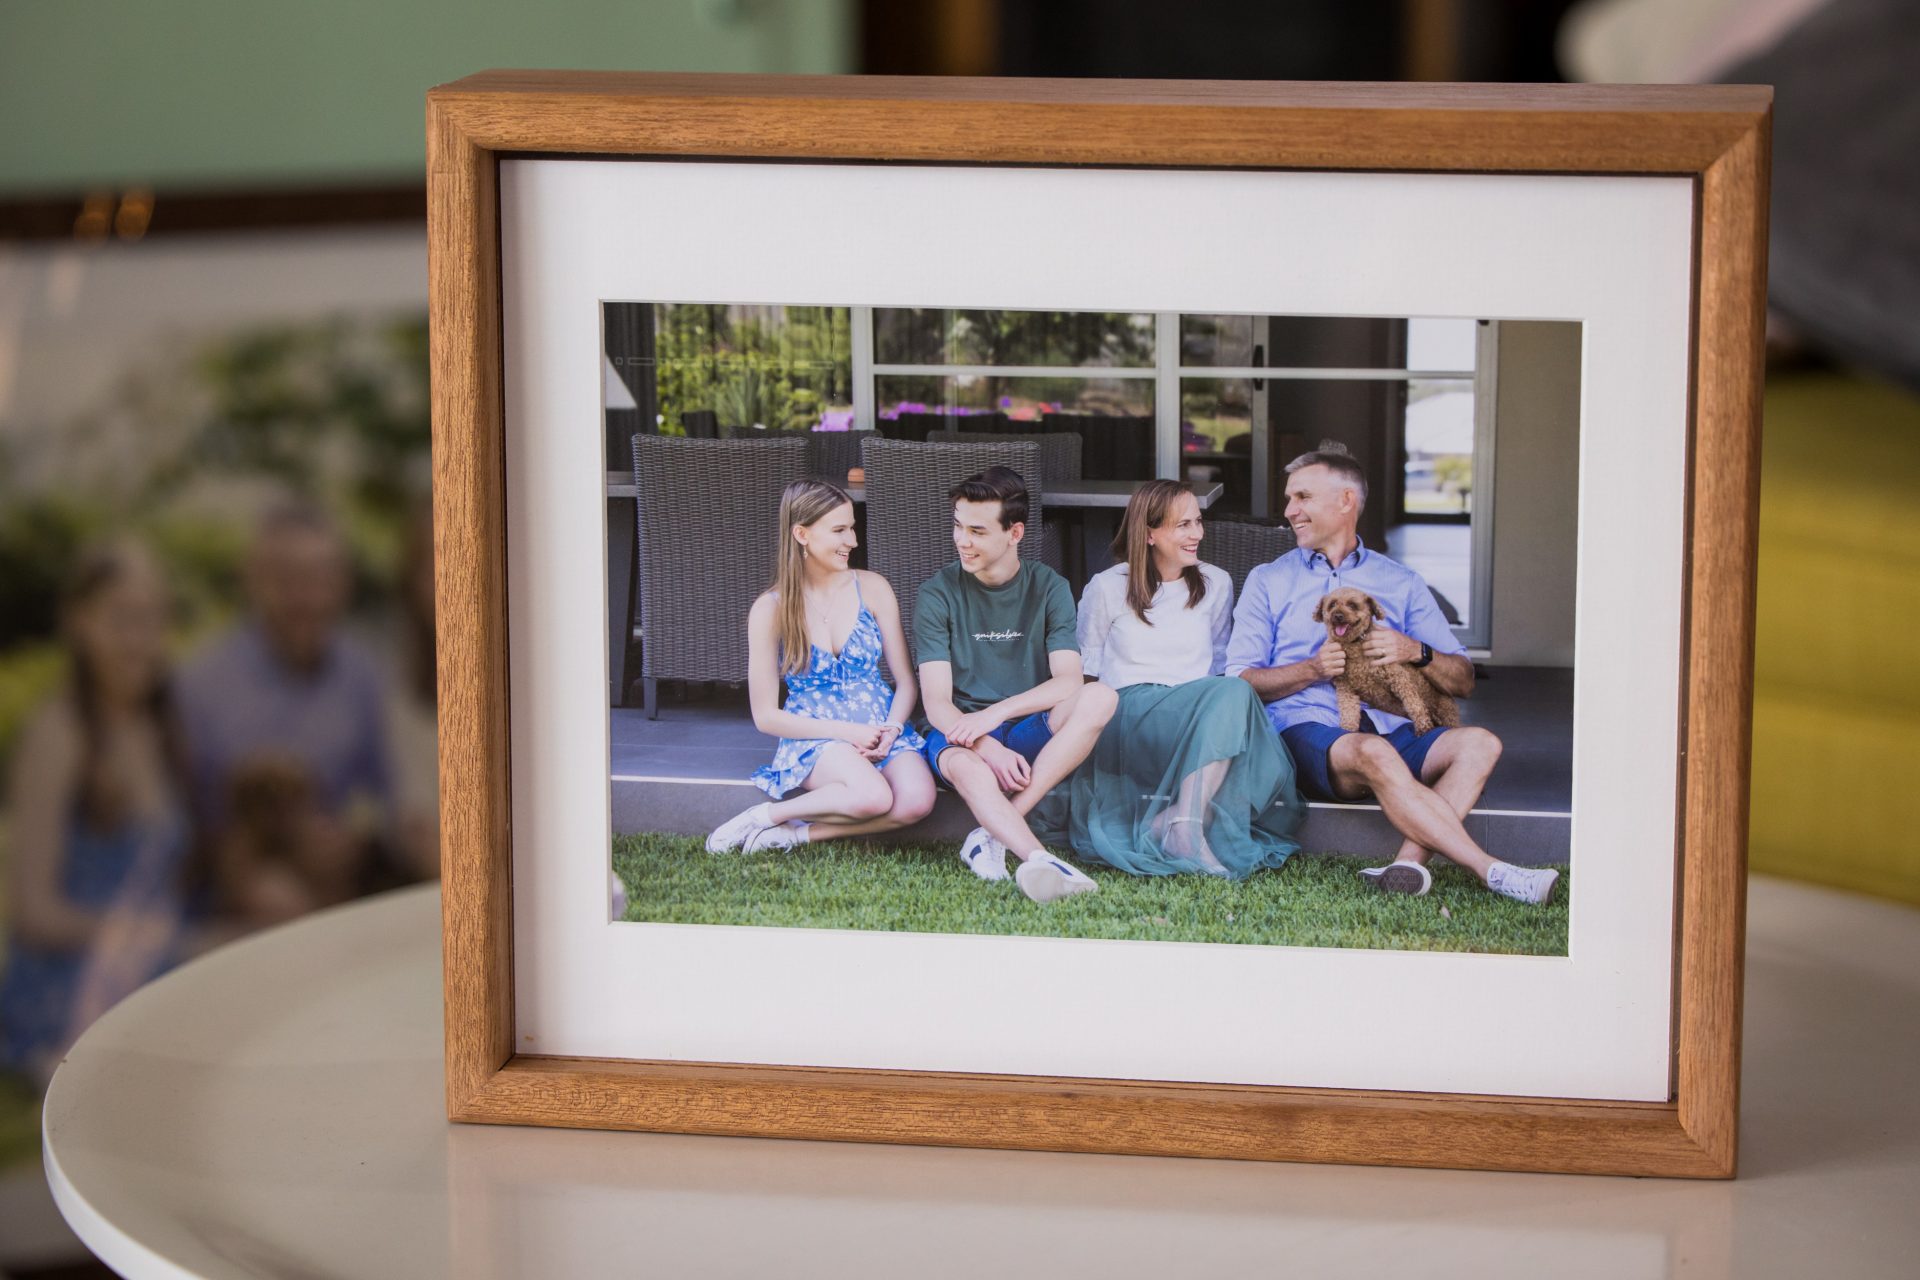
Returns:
(894, 725)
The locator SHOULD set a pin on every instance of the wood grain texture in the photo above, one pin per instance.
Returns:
(470, 604)
(1723, 553)
(1116, 1117)
(1719, 136)
(1480, 128)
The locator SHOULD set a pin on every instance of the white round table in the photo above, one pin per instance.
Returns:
(276, 1109)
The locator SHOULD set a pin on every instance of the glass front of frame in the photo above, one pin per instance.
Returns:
(1140, 807)
(1497, 355)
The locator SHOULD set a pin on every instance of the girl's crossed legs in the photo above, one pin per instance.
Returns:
(846, 795)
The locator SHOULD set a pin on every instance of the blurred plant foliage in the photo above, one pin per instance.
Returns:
(333, 410)
(1066, 339)
(775, 367)
(1454, 472)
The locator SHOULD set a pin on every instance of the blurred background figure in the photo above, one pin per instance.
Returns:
(97, 831)
(285, 720)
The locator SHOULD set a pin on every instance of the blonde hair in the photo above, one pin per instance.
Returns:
(1150, 508)
(802, 503)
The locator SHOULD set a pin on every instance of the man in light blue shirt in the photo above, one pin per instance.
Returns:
(285, 693)
(1425, 783)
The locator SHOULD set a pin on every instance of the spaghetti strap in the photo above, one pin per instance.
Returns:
(846, 686)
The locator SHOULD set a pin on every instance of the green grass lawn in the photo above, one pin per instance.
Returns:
(1313, 901)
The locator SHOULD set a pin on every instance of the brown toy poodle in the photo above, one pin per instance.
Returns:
(1399, 688)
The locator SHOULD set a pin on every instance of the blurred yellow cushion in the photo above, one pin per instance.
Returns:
(1836, 752)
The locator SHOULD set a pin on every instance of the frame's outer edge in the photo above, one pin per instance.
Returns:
(1719, 137)
(1729, 366)
(1099, 1116)
(1461, 128)
(470, 600)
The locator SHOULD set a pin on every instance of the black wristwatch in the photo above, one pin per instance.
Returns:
(1426, 655)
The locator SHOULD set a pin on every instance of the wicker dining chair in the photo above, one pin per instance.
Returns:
(1240, 546)
(707, 514)
(830, 454)
(909, 516)
(1112, 448)
(1059, 450)
(1059, 468)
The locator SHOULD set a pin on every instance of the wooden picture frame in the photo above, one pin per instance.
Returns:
(1715, 136)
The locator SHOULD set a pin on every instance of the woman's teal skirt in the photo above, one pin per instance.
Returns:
(1136, 801)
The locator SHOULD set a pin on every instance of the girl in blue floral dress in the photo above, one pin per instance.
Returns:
(98, 845)
(848, 762)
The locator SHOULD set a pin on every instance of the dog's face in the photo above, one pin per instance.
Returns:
(1348, 613)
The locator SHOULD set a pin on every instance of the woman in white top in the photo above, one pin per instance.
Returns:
(1188, 775)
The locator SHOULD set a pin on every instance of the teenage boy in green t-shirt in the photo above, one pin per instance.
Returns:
(1009, 714)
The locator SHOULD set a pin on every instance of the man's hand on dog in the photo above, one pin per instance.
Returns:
(1387, 647)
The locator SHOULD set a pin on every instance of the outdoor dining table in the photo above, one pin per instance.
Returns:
(1099, 501)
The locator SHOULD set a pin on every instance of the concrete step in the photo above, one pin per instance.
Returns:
(685, 806)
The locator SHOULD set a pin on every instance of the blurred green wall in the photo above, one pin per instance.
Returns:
(235, 94)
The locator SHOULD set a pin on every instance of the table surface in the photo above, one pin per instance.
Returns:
(276, 1109)
(1080, 493)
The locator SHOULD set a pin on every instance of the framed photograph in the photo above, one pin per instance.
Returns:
(1482, 360)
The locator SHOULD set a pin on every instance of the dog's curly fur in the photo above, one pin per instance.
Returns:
(1349, 615)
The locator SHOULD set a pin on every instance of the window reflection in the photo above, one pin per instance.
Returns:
(1071, 339)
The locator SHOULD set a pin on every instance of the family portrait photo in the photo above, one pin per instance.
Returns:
(1204, 627)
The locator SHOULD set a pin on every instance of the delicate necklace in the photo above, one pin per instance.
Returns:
(817, 609)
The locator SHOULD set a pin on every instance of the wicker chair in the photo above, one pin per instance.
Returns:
(1059, 468)
(1113, 448)
(1059, 450)
(1240, 546)
(708, 515)
(917, 426)
(830, 454)
(909, 524)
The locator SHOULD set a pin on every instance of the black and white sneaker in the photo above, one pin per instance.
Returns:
(1045, 878)
(984, 856)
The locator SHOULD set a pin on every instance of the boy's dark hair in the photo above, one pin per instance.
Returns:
(1003, 485)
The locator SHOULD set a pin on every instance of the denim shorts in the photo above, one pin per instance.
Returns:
(1310, 744)
(1025, 736)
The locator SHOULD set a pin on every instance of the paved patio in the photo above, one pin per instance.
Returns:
(687, 771)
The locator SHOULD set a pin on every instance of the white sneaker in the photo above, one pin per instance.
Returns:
(1045, 878)
(784, 836)
(1409, 878)
(738, 829)
(1532, 885)
(984, 856)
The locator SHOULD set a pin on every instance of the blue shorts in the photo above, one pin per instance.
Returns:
(1310, 744)
(1025, 736)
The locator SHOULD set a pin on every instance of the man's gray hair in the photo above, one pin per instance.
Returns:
(1334, 457)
